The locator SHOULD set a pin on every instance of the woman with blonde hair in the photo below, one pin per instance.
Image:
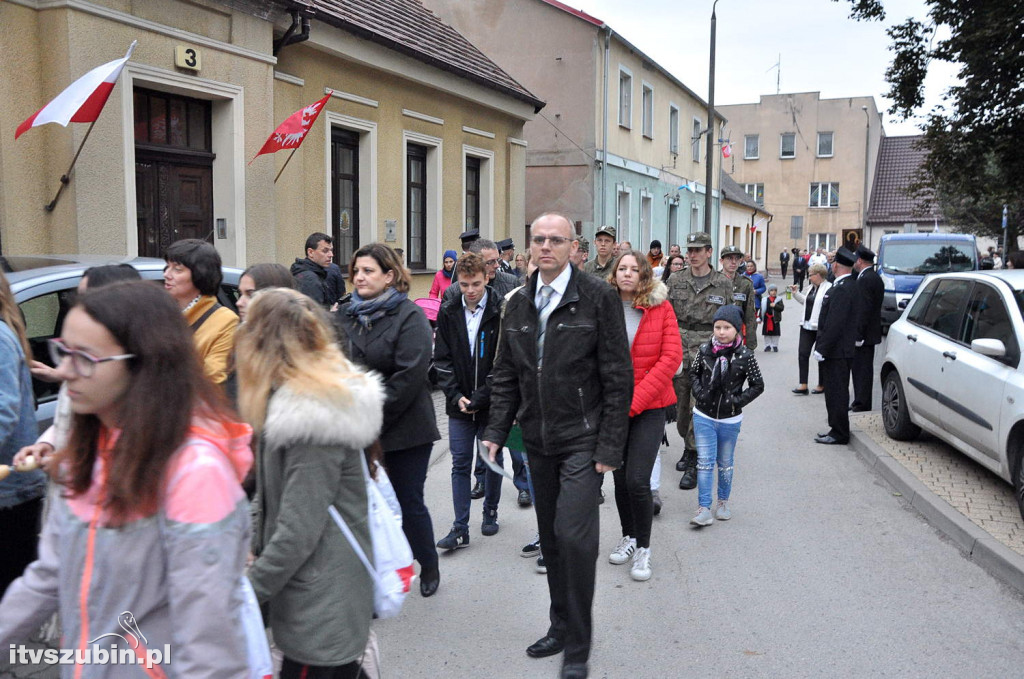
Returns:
(657, 351)
(314, 413)
(383, 330)
(21, 497)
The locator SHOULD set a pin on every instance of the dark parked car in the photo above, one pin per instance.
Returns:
(44, 288)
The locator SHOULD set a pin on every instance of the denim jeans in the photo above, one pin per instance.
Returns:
(462, 436)
(716, 443)
(520, 470)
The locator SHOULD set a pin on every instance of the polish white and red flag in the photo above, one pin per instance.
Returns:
(82, 101)
(291, 133)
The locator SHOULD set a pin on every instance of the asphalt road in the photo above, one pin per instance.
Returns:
(823, 571)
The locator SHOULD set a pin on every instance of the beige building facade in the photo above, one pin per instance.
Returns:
(810, 162)
(620, 135)
(416, 143)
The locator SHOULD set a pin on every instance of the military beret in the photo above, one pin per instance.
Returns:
(731, 250)
(866, 254)
(506, 244)
(845, 257)
(698, 240)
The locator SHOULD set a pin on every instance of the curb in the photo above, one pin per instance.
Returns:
(999, 560)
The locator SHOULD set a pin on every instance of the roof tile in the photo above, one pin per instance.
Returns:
(899, 162)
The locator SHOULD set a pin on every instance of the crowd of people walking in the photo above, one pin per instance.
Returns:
(195, 451)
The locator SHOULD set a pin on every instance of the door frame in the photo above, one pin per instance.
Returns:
(228, 144)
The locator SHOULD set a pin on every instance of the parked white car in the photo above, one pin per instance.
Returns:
(953, 368)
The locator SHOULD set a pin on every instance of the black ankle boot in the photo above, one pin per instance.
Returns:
(689, 479)
(430, 578)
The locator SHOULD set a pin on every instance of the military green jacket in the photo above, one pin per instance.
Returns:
(743, 297)
(695, 307)
(602, 272)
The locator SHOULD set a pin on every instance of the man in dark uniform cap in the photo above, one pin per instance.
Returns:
(468, 237)
(834, 347)
(506, 251)
(869, 328)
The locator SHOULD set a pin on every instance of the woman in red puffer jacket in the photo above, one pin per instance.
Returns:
(657, 352)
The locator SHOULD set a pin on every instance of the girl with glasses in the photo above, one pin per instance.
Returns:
(151, 522)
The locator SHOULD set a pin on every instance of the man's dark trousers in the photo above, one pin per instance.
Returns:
(566, 489)
(836, 373)
(863, 370)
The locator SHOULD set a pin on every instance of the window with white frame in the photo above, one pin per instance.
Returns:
(622, 213)
(422, 200)
(646, 217)
(625, 97)
(796, 227)
(648, 111)
(825, 144)
(695, 138)
(821, 240)
(755, 191)
(673, 129)
(824, 194)
(787, 145)
(751, 146)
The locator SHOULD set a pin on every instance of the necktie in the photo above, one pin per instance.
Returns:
(545, 298)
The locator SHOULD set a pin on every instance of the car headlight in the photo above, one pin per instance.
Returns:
(889, 281)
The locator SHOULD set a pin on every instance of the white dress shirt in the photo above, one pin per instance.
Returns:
(559, 285)
(473, 319)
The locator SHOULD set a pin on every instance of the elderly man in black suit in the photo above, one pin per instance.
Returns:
(869, 328)
(835, 347)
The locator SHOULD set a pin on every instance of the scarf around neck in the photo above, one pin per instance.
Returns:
(366, 311)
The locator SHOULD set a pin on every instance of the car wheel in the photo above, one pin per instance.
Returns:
(895, 413)
(1018, 479)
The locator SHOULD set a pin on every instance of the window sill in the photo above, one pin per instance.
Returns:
(828, 156)
(823, 207)
(751, 157)
(787, 157)
(649, 137)
(625, 127)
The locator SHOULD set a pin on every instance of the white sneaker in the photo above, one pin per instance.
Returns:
(641, 569)
(623, 551)
(703, 517)
(722, 512)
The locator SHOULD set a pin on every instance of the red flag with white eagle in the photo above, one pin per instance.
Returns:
(291, 133)
(726, 150)
(82, 101)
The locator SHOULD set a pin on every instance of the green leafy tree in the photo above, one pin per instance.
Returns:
(975, 138)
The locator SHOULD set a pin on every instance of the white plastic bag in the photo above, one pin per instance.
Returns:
(392, 568)
(261, 666)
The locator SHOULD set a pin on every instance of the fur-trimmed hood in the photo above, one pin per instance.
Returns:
(659, 294)
(350, 415)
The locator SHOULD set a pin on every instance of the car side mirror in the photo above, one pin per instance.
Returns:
(902, 304)
(989, 347)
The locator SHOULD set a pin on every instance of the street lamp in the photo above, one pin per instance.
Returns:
(709, 175)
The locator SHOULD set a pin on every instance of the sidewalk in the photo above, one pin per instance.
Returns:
(972, 506)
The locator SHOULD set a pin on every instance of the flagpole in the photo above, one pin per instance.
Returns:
(285, 164)
(65, 178)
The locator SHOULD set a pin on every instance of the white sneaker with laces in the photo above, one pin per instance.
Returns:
(641, 569)
(623, 551)
(722, 512)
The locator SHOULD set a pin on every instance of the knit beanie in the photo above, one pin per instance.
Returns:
(731, 314)
(449, 253)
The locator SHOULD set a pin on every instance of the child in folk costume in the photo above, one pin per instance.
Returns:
(771, 327)
(717, 375)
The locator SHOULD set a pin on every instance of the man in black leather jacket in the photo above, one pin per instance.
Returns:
(564, 369)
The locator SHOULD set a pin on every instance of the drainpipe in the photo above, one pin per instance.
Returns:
(867, 150)
(300, 17)
(767, 231)
(604, 129)
(753, 232)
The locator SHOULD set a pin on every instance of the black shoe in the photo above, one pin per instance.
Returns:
(430, 578)
(457, 538)
(859, 409)
(767, 349)
(656, 501)
(544, 647)
(530, 549)
(524, 498)
(775, 349)
(574, 670)
(541, 568)
(600, 498)
(478, 491)
(818, 391)
(681, 465)
(829, 441)
(803, 391)
(689, 479)
(490, 523)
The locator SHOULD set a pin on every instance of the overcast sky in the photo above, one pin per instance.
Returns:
(822, 49)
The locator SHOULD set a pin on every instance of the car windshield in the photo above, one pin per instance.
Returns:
(925, 257)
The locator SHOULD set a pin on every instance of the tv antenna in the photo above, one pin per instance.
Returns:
(778, 74)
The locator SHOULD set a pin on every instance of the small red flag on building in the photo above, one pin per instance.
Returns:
(726, 150)
(291, 133)
(82, 101)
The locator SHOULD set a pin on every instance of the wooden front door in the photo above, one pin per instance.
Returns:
(173, 170)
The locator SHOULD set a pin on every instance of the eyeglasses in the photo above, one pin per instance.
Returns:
(554, 240)
(83, 364)
(491, 262)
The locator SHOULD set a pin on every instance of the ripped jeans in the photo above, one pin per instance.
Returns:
(716, 443)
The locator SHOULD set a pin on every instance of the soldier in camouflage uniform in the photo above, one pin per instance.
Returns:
(696, 294)
(742, 293)
(604, 244)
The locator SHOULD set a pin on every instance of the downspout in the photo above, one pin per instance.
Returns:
(753, 232)
(604, 129)
(300, 17)
(867, 154)
(767, 232)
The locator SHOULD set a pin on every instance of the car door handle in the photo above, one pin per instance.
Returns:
(912, 338)
(951, 355)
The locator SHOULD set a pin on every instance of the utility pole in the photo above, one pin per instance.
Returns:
(709, 175)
